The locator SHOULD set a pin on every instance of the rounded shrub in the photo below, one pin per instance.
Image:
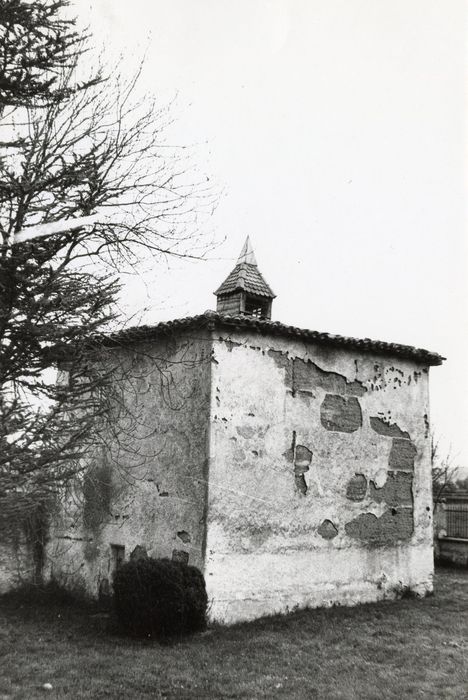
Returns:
(160, 598)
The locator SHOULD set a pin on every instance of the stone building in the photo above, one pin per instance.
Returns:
(292, 467)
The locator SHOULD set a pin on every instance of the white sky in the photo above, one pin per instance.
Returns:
(337, 130)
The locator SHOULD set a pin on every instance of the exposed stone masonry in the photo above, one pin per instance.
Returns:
(341, 413)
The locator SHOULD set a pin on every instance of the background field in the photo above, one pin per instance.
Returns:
(405, 649)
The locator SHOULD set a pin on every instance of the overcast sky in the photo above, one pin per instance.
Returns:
(336, 130)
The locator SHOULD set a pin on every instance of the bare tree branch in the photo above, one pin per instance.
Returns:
(73, 146)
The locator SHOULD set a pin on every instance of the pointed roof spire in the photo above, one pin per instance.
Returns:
(246, 276)
(247, 255)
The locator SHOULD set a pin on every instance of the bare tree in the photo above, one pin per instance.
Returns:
(444, 471)
(74, 143)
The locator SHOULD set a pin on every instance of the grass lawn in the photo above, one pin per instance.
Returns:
(405, 649)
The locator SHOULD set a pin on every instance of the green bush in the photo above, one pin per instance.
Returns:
(160, 598)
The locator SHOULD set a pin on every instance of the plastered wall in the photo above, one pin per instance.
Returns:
(145, 487)
(292, 474)
(319, 477)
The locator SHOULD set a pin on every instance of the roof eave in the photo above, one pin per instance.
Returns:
(212, 319)
(239, 288)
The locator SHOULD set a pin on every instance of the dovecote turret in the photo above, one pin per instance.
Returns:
(245, 290)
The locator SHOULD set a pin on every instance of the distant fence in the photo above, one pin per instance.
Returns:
(456, 513)
(451, 529)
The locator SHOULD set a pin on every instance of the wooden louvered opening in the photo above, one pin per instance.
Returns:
(258, 307)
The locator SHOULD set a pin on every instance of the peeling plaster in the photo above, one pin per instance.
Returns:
(302, 460)
(184, 536)
(327, 530)
(357, 488)
(230, 344)
(384, 427)
(306, 376)
(396, 490)
(341, 413)
(427, 425)
(402, 455)
(393, 526)
(246, 431)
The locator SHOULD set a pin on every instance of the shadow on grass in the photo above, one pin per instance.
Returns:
(52, 606)
(316, 620)
(387, 650)
(39, 595)
(60, 609)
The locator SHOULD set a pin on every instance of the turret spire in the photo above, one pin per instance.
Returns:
(247, 255)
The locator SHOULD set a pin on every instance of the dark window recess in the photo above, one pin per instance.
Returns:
(118, 556)
(256, 307)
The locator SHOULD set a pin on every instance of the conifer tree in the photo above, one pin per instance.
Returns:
(71, 143)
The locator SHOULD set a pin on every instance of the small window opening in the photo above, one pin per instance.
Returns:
(255, 307)
(118, 556)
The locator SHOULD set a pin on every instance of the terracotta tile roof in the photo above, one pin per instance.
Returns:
(211, 320)
(248, 278)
